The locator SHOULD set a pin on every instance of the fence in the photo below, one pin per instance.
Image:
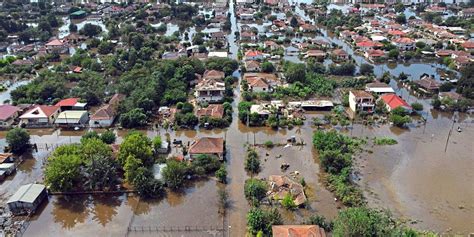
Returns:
(175, 229)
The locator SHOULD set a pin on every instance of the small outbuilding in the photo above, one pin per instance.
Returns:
(27, 199)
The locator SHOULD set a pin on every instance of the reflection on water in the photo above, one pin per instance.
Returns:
(70, 210)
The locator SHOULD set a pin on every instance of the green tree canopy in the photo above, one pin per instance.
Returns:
(18, 140)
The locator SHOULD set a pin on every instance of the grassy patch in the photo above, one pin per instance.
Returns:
(385, 141)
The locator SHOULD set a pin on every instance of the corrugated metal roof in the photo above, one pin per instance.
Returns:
(27, 193)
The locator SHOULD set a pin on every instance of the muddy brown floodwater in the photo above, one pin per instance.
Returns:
(417, 180)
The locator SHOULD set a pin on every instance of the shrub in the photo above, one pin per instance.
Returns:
(108, 137)
(417, 106)
(255, 190)
(221, 174)
(288, 202)
(385, 141)
(268, 144)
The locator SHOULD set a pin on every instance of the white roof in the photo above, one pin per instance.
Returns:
(259, 109)
(6, 166)
(27, 193)
(378, 38)
(218, 54)
(72, 114)
(381, 89)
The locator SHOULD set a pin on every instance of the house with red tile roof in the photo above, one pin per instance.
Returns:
(368, 45)
(258, 84)
(57, 46)
(71, 104)
(298, 231)
(40, 116)
(375, 54)
(404, 43)
(315, 53)
(212, 110)
(396, 33)
(252, 66)
(393, 101)
(340, 55)
(213, 74)
(8, 114)
(105, 115)
(211, 146)
(253, 55)
(468, 46)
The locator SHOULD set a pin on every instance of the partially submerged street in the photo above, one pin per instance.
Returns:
(239, 118)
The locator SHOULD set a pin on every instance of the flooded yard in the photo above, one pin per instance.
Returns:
(420, 181)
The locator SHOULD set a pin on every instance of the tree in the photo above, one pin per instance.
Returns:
(333, 161)
(255, 190)
(295, 72)
(252, 162)
(205, 164)
(18, 140)
(133, 118)
(146, 185)
(157, 143)
(90, 30)
(393, 53)
(466, 82)
(92, 149)
(399, 7)
(132, 164)
(63, 172)
(137, 145)
(221, 174)
(105, 47)
(293, 22)
(401, 19)
(259, 220)
(174, 174)
(267, 67)
(344, 69)
(362, 221)
(101, 172)
(256, 220)
(72, 27)
(366, 69)
(89, 135)
(402, 76)
(108, 137)
(399, 117)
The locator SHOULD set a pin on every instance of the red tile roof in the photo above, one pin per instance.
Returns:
(394, 101)
(468, 45)
(366, 44)
(376, 53)
(67, 102)
(6, 111)
(213, 110)
(55, 42)
(396, 32)
(253, 53)
(298, 231)
(207, 145)
(404, 40)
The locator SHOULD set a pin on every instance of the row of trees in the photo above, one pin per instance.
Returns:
(335, 153)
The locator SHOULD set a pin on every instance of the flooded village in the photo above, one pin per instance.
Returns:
(236, 118)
